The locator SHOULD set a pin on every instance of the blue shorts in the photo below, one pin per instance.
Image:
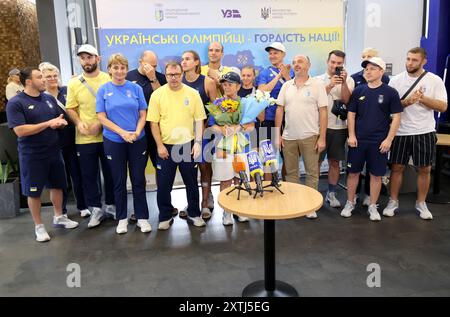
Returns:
(367, 153)
(35, 174)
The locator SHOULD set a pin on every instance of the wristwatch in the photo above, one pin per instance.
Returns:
(153, 80)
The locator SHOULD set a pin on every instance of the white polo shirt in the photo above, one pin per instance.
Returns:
(417, 118)
(301, 106)
(335, 94)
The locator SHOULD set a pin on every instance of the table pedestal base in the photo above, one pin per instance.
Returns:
(258, 289)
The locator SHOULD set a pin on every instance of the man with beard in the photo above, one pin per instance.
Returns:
(35, 116)
(81, 98)
(416, 135)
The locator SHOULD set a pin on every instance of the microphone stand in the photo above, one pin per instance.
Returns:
(239, 188)
(275, 180)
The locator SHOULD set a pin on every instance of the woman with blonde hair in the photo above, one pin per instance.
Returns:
(53, 86)
(122, 110)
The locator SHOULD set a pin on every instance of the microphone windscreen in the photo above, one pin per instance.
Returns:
(238, 164)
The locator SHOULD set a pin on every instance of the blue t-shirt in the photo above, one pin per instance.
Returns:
(135, 77)
(373, 108)
(121, 105)
(265, 77)
(24, 109)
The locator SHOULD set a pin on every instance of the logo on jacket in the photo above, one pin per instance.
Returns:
(49, 104)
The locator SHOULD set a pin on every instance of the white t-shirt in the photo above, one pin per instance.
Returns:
(301, 107)
(417, 118)
(12, 89)
(335, 94)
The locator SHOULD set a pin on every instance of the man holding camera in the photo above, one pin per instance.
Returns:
(339, 87)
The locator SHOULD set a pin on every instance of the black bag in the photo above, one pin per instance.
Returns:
(339, 110)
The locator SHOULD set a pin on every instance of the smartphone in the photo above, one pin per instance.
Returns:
(339, 70)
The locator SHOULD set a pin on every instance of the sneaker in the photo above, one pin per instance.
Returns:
(164, 225)
(64, 222)
(366, 201)
(206, 213)
(312, 215)
(174, 212)
(144, 225)
(210, 200)
(425, 214)
(227, 219)
(110, 211)
(242, 219)
(332, 200)
(196, 221)
(348, 208)
(97, 216)
(122, 226)
(85, 213)
(41, 233)
(391, 207)
(373, 213)
(183, 212)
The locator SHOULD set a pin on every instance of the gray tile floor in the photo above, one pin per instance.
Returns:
(323, 257)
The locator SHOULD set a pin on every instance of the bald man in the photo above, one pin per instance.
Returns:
(304, 102)
(149, 79)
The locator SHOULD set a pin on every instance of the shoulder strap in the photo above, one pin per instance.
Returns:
(91, 90)
(414, 85)
(60, 104)
(281, 80)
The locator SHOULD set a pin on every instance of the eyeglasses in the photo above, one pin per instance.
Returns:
(175, 76)
(51, 77)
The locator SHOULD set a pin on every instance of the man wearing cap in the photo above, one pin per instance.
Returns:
(35, 118)
(80, 105)
(271, 79)
(173, 111)
(304, 102)
(214, 69)
(416, 135)
(14, 86)
(370, 133)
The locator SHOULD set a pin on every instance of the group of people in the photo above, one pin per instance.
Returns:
(105, 126)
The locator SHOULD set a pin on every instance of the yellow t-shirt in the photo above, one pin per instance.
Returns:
(176, 111)
(222, 71)
(81, 99)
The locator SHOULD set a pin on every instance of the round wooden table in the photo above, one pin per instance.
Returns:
(297, 201)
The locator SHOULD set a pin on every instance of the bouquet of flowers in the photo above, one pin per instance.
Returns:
(237, 112)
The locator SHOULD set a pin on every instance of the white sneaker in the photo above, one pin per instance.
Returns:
(312, 215)
(64, 222)
(122, 227)
(210, 200)
(242, 219)
(206, 213)
(110, 211)
(85, 213)
(183, 212)
(164, 225)
(348, 208)
(391, 207)
(366, 201)
(144, 225)
(332, 200)
(196, 221)
(425, 214)
(373, 213)
(41, 233)
(97, 216)
(227, 219)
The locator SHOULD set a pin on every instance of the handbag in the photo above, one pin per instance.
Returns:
(339, 109)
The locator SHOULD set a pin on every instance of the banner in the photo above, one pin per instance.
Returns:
(245, 28)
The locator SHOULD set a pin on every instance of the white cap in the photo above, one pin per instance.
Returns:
(87, 48)
(277, 46)
(377, 61)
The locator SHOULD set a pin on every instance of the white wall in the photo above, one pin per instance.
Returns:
(391, 26)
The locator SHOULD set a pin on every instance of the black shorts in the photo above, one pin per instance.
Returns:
(421, 147)
(335, 145)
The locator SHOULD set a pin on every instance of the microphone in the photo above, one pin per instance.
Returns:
(239, 168)
(256, 170)
(269, 158)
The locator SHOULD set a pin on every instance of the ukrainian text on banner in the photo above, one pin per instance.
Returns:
(245, 28)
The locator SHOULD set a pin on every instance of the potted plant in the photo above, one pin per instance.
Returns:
(9, 190)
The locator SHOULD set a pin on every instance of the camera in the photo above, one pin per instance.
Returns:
(339, 70)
